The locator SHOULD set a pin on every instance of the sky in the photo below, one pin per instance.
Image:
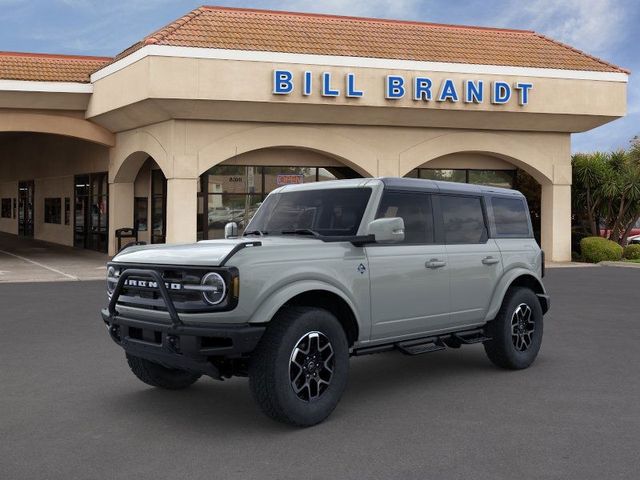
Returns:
(604, 28)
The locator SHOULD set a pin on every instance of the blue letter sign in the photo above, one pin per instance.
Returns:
(523, 90)
(351, 86)
(395, 86)
(327, 91)
(282, 82)
(422, 88)
(473, 91)
(448, 91)
(501, 92)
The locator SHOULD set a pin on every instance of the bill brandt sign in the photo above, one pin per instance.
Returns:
(420, 88)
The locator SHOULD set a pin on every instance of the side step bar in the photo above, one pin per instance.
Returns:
(428, 344)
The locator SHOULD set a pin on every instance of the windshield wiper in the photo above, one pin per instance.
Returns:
(301, 231)
(260, 233)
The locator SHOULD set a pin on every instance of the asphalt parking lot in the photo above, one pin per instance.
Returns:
(69, 407)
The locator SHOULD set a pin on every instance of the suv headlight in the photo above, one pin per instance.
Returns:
(214, 288)
(112, 279)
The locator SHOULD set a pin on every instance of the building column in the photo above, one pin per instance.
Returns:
(556, 222)
(120, 211)
(182, 210)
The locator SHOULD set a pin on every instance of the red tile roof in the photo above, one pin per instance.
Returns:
(274, 31)
(48, 67)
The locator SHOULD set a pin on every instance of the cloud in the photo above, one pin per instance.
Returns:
(404, 9)
(592, 25)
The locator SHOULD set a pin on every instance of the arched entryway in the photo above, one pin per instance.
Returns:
(484, 169)
(553, 176)
(233, 190)
(139, 199)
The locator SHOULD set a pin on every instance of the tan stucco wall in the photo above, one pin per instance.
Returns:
(184, 149)
(58, 122)
(27, 156)
(226, 89)
(470, 161)
(53, 187)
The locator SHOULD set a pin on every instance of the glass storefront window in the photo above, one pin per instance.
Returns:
(444, 175)
(275, 177)
(494, 178)
(233, 193)
(225, 208)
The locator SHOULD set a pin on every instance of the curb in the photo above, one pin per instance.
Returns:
(620, 264)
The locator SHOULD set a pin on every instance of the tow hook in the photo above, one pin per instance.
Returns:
(174, 343)
(114, 331)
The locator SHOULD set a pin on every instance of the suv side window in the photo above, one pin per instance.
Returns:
(510, 217)
(463, 219)
(415, 210)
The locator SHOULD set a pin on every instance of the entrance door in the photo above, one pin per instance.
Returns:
(25, 208)
(409, 280)
(91, 211)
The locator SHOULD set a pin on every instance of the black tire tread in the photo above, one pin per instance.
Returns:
(494, 348)
(262, 369)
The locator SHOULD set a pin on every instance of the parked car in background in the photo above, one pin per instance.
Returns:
(633, 240)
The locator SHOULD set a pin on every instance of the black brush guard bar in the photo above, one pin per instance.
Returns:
(162, 288)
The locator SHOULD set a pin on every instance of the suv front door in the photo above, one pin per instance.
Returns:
(475, 263)
(409, 280)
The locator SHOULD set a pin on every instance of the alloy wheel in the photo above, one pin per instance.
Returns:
(522, 327)
(311, 366)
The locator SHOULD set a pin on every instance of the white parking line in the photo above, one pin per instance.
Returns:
(51, 269)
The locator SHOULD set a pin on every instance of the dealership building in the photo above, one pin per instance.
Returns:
(192, 126)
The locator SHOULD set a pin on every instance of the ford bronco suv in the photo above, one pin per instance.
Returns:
(326, 271)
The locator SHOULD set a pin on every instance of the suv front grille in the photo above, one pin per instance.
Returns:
(183, 285)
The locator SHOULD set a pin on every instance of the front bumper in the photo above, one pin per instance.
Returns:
(185, 347)
(191, 347)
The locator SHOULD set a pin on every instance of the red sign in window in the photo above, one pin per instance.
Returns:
(289, 179)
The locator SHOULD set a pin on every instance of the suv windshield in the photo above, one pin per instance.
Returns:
(326, 212)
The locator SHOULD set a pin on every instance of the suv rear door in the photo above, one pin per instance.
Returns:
(475, 264)
(409, 280)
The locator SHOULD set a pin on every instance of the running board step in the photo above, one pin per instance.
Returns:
(470, 339)
(412, 348)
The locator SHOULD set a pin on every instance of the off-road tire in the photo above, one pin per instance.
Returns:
(158, 376)
(269, 368)
(501, 349)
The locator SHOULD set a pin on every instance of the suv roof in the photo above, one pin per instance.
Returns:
(398, 183)
(444, 187)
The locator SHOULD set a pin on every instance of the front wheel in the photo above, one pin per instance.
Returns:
(516, 332)
(299, 370)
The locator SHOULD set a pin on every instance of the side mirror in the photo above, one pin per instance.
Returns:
(387, 230)
(231, 230)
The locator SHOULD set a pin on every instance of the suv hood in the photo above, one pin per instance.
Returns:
(206, 253)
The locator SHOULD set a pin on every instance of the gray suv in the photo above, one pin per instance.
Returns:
(326, 271)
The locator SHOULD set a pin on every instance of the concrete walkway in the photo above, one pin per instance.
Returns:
(28, 260)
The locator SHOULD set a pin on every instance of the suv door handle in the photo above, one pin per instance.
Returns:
(435, 263)
(490, 260)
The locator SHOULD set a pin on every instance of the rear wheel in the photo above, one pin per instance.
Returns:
(516, 332)
(156, 375)
(299, 370)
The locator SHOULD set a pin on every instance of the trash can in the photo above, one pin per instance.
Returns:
(130, 235)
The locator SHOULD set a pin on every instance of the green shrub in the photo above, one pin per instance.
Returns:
(632, 252)
(598, 249)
